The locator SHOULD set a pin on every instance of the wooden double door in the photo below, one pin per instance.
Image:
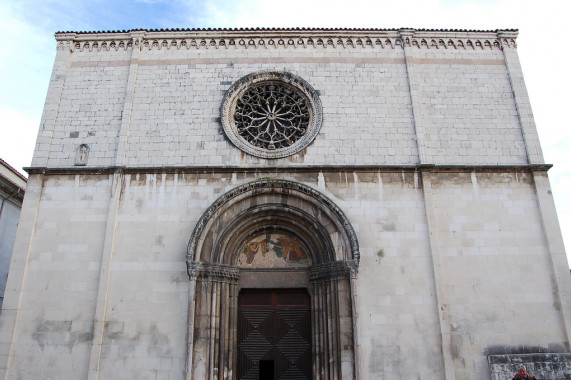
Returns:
(274, 334)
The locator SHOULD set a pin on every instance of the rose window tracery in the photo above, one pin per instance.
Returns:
(271, 114)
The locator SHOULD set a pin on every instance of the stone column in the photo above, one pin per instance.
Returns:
(333, 321)
(212, 329)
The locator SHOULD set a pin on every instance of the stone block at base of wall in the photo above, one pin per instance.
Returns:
(544, 366)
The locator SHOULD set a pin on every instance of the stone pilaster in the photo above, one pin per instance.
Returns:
(431, 222)
(104, 276)
(521, 98)
(137, 38)
(554, 242)
(18, 271)
(406, 35)
(53, 99)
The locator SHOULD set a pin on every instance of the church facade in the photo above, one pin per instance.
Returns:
(287, 204)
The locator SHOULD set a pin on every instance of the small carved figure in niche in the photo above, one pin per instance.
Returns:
(522, 374)
(81, 155)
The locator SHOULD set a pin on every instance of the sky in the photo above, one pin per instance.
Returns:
(29, 48)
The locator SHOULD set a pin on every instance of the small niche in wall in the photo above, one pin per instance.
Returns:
(81, 155)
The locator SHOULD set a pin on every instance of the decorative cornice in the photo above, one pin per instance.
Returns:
(98, 170)
(286, 39)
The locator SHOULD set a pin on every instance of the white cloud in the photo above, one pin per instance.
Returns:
(25, 66)
(19, 133)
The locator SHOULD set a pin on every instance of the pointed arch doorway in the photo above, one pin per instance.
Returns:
(272, 234)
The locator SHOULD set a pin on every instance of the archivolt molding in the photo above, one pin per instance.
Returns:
(270, 186)
(270, 40)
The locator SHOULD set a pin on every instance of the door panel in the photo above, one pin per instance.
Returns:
(274, 335)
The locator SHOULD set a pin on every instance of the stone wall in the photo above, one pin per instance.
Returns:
(540, 365)
(146, 299)
(163, 103)
(427, 146)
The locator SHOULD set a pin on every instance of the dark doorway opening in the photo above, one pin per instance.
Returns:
(266, 370)
(274, 334)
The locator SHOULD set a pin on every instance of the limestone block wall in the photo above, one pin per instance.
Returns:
(467, 109)
(493, 268)
(389, 98)
(183, 126)
(489, 264)
(427, 146)
(87, 94)
(53, 279)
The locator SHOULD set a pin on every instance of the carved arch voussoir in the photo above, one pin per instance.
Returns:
(244, 194)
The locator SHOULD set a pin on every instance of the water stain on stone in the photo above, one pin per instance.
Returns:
(389, 227)
(455, 345)
(159, 342)
(58, 333)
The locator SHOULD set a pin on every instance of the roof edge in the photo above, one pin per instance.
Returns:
(512, 32)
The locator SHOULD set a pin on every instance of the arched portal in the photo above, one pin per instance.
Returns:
(272, 234)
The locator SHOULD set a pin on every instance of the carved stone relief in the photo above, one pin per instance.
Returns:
(81, 155)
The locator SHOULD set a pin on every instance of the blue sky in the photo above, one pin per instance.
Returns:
(28, 51)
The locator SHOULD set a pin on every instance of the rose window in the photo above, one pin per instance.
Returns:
(271, 114)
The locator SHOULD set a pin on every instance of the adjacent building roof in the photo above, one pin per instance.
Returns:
(12, 182)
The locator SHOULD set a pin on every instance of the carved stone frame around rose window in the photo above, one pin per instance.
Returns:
(295, 83)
